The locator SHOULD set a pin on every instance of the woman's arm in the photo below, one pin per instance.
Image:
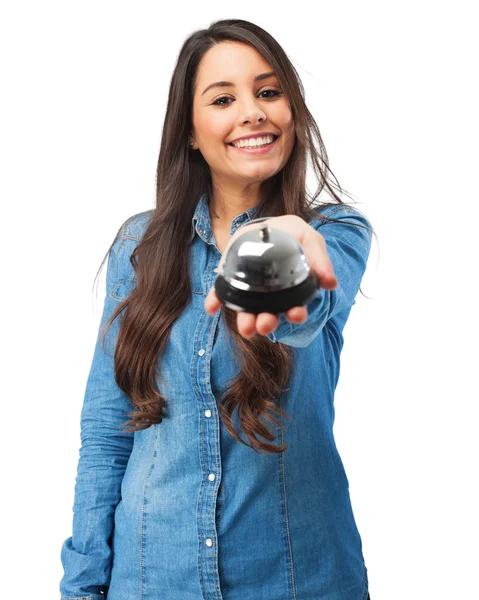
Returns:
(348, 247)
(86, 555)
(338, 256)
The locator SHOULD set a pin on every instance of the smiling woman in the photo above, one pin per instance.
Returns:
(180, 492)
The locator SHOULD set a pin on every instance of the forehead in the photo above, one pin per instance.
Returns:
(230, 61)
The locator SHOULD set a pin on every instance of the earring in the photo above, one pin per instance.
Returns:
(191, 143)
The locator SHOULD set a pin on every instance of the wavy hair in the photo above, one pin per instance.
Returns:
(161, 294)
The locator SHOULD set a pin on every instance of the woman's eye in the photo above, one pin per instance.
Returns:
(274, 92)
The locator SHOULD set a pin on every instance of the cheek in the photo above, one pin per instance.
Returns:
(215, 127)
(204, 129)
(283, 118)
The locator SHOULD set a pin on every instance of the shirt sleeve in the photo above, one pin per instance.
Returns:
(86, 556)
(348, 244)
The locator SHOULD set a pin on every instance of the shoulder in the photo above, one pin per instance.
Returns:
(328, 216)
(126, 240)
(130, 233)
(136, 225)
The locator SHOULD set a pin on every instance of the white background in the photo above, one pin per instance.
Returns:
(393, 89)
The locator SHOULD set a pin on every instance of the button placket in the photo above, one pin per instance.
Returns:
(210, 448)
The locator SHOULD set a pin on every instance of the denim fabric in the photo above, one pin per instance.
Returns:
(183, 511)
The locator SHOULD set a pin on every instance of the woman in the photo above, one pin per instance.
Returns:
(184, 501)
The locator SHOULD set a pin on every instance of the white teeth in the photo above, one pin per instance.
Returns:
(252, 142)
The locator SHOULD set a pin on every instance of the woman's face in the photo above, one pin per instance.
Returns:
(224, 113)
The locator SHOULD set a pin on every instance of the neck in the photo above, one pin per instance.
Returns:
(225, 207)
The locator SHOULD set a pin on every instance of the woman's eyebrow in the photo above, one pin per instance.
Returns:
(229, 84)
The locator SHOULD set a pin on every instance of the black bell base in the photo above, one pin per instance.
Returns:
(270, 302)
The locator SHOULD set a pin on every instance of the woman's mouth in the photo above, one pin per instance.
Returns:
(256, 149)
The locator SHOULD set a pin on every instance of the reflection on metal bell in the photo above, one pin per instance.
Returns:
(265, 270)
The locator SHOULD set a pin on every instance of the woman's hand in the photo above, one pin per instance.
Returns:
(315, 250)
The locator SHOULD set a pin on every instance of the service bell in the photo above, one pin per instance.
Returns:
(265, 270)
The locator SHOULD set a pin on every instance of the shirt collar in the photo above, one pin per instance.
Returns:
(201, 222)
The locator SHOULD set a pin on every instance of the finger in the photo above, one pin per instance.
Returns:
(266, 323)
(263, 323)
(319, 260)
(297, 314)
(212, 302)
(327, 279)
(246, 323)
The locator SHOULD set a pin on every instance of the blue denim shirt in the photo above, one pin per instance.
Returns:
(182, 510)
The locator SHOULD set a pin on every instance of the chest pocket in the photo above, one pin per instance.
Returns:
(123, 288)
(125, 285)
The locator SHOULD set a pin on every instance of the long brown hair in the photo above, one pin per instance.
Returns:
(161, 294)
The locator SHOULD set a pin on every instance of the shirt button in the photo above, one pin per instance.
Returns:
(209, 542)
(202, 351)
(208, 413)
(211, 476)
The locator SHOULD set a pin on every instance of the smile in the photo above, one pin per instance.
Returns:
(254, 150)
